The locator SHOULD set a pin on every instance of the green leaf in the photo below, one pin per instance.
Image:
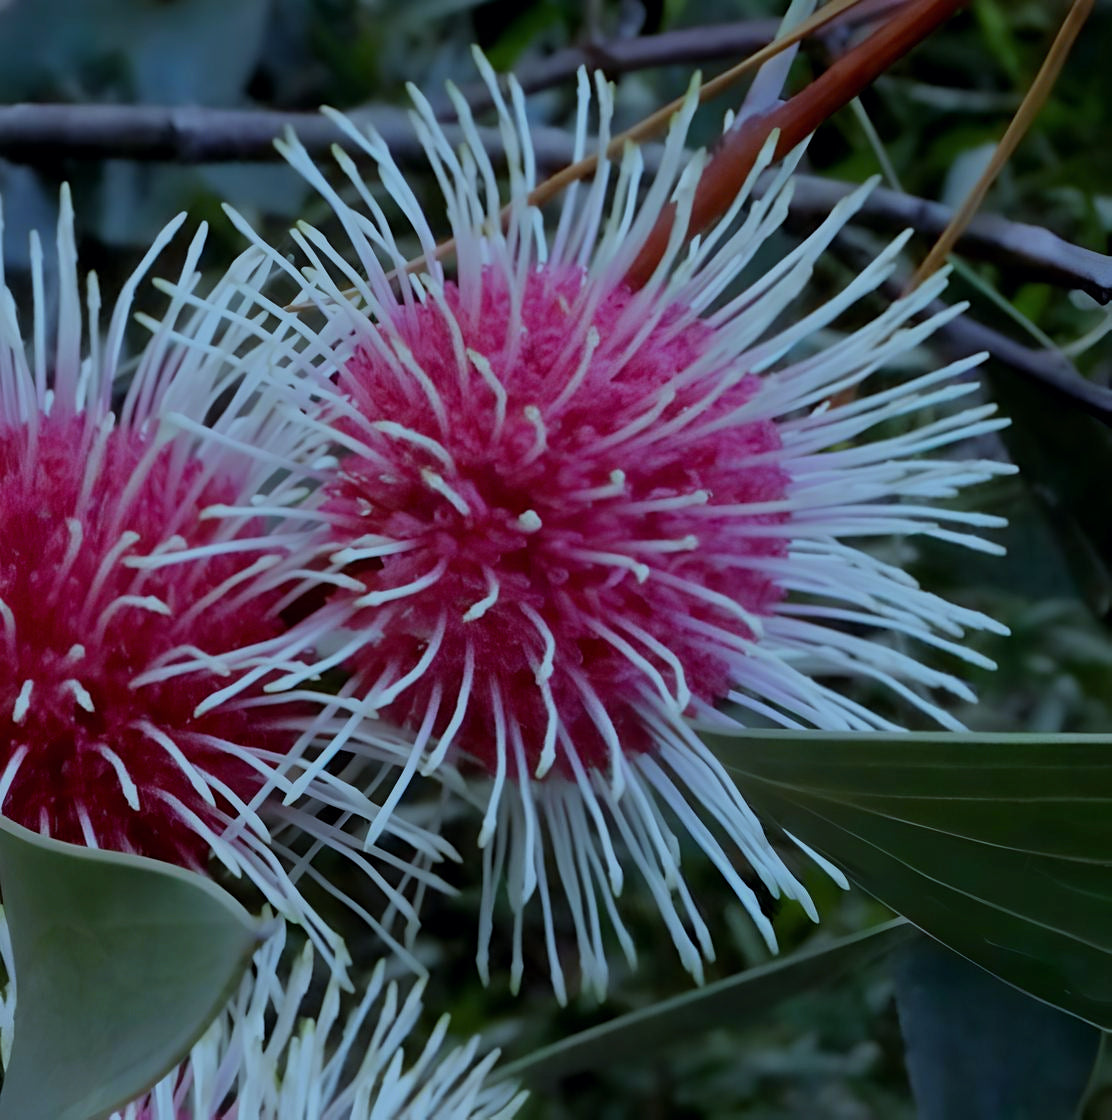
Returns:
(998, 846)
(725, 1003)
(121, 962)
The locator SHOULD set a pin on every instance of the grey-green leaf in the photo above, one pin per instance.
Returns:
(998, 846)
(121, 963)
(725, 1003)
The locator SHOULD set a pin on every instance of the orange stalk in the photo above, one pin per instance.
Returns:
(796, 119)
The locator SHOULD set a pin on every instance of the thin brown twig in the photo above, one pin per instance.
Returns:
(1017, 128)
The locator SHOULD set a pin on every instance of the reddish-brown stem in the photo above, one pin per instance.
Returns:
(796, 119)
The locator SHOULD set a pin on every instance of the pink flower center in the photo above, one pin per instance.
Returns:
(565, 497)
(92, 737)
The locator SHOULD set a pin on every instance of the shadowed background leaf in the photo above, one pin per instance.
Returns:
(1045, 440)
(977, 1049)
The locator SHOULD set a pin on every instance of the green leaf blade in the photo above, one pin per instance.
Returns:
(729, 1002)
(121, 964)
(998, 846)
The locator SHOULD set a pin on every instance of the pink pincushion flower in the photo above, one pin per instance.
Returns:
(93, 750)
(132, 592)
(562, 500)
(568, 519)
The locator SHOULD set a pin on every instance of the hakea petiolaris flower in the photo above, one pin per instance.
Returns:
(126, 603)
(285, 1048)
(568, 519)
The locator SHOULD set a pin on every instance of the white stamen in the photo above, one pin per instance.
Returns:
(529, 521)
(127, 787)
(377, 598)
(164, 667)
(223, 590)
(382, 817)
(288, 499)
(389, 695)
(551, 726)
(835, 873)
(638, 660)
(368, 548)
(613, 560)
(10, 772)
(76, 533)
(600, 717)
(486, 372)
(8, 619)
(615, 488)
(683, 692)
(682, 544)
(526, 851)
(725, 603)
(112, 557)
(659, 505)
(645, 420)
(540, 442)
(157, 557)
(316, 769)
(80, 694)
(413, 367)
(408, 435)
(138, 602)
(588, 799)
(454, 724)
(192, 774)
(87, 827)
(577, 378)
(478, 609)
(434, 482)
(490, 818)
(22, 702)
(545, 669)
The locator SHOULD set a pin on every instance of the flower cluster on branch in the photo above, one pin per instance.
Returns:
(516, 528)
